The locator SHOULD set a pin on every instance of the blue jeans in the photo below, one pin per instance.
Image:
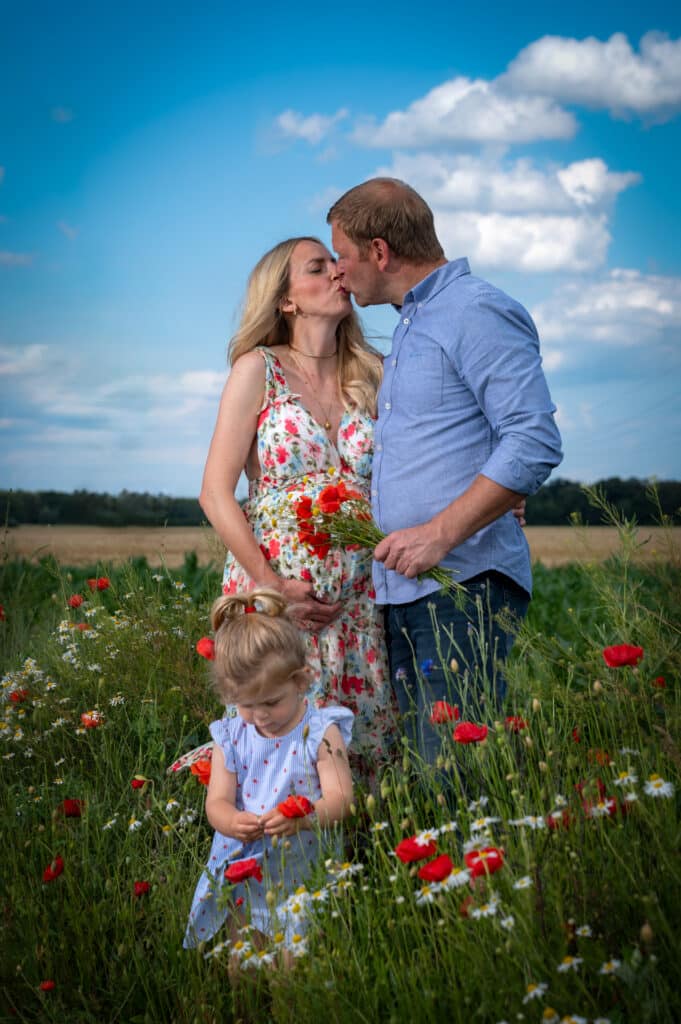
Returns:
(452, 649)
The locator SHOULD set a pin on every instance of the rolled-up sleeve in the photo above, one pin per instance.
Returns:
(498, 356)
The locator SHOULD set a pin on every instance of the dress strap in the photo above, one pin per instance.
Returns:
(276, 386)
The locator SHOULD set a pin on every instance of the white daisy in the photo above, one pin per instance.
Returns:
(569, 963)
(535, 991)
(656, 786)
(523, 883)
(626, 779)
(610, 966)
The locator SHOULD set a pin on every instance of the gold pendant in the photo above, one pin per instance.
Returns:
(327, 425)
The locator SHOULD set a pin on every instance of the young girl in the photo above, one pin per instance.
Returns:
(275, 757)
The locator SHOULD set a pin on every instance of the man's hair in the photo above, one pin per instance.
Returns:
(392, 210)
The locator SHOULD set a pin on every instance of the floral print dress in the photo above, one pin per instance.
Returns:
(298, 459)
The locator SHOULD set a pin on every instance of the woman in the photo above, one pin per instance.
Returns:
(297, 414)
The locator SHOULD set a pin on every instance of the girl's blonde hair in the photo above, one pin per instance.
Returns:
(360, 367)
(254, 637)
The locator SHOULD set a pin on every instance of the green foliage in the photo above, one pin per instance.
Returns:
(383, 944)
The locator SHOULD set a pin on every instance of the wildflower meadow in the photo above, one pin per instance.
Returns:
(532, 875)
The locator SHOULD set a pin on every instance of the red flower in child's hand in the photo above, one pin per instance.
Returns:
(622, 654)
(295, 806)
(469, 732)
(436, 870)
(47, 985)
(75, 601)
(409, 850)
(443, 712)
(240, 870)
(201, 769)
(53, 870)
(18, 696)
(71, 808)
(140, 888)
(206, 648)
(484, 862)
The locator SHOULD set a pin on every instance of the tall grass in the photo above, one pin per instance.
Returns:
(581, 921)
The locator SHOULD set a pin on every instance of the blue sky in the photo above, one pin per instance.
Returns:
(150, 154)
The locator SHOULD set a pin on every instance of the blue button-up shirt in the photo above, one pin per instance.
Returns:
(463, 394)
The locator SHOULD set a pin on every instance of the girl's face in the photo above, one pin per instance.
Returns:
(276, 708)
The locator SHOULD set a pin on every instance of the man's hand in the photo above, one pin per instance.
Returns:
(413, 550)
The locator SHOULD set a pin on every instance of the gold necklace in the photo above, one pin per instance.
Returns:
(327, 412)
(308, 355)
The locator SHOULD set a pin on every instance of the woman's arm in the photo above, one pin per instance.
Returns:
(336, 784)
(230, 447)
(221, 808)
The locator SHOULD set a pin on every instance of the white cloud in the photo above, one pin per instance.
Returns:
(22, 362)
(62, 115)
(15, 259)
(515, 214)
(313, 129)
(623, 309)
(67, 229)
(468, 110)
(605, 75)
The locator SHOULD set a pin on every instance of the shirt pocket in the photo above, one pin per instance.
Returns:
(419, 380)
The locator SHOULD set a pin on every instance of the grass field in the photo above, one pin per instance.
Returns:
(88, 545)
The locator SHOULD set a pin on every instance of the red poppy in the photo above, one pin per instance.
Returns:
(484, 862)
(442, 712)
(99, 583)
(465, 906)
(138, 782)
(2, 613)
(47, 985)
(408, 850)
(436, 870)
(53, 870)
(559, 819)
(70, 808)
(576, 735)
(622, 654)
(82, 626)
(201, 769)
(659, 683)
(329, 500)
(140, 888)
(206, 648)
(469, 732)
(92, 719)
(304, 508)
(598, 756)
(514, 723)
(75, 601)
(295, 806)
(240, 870)
(18, 696)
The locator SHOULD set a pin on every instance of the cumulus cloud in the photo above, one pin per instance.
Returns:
(465, 110)
(606, 75)
(312, 129)
(622, 308)
(515, 214)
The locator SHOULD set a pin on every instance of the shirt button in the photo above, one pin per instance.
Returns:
(406, 321)
(387, 405)
(394, 362)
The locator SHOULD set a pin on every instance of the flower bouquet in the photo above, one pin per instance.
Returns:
(341, 517)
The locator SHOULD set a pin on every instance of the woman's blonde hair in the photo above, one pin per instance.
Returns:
(254, 637)
(360, 366)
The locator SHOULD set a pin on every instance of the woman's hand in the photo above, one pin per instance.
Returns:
(307, 611)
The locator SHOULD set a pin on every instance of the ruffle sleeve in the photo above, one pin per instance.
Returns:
(222, 733)
(321, 719)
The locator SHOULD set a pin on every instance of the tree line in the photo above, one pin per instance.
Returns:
(555, 504)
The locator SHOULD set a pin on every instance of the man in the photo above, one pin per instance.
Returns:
(465, 430)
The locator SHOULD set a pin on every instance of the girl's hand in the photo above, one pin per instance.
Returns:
(275, 824)
(245, 827)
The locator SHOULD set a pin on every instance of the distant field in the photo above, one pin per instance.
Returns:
(86, 545)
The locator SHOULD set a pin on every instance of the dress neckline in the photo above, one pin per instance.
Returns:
(296, 397)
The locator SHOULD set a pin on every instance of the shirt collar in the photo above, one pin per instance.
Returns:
(437, 280)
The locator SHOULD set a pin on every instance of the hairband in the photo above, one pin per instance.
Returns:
(249, 608)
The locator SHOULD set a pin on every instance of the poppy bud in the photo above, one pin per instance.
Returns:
(597, 686)
(536, 705)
